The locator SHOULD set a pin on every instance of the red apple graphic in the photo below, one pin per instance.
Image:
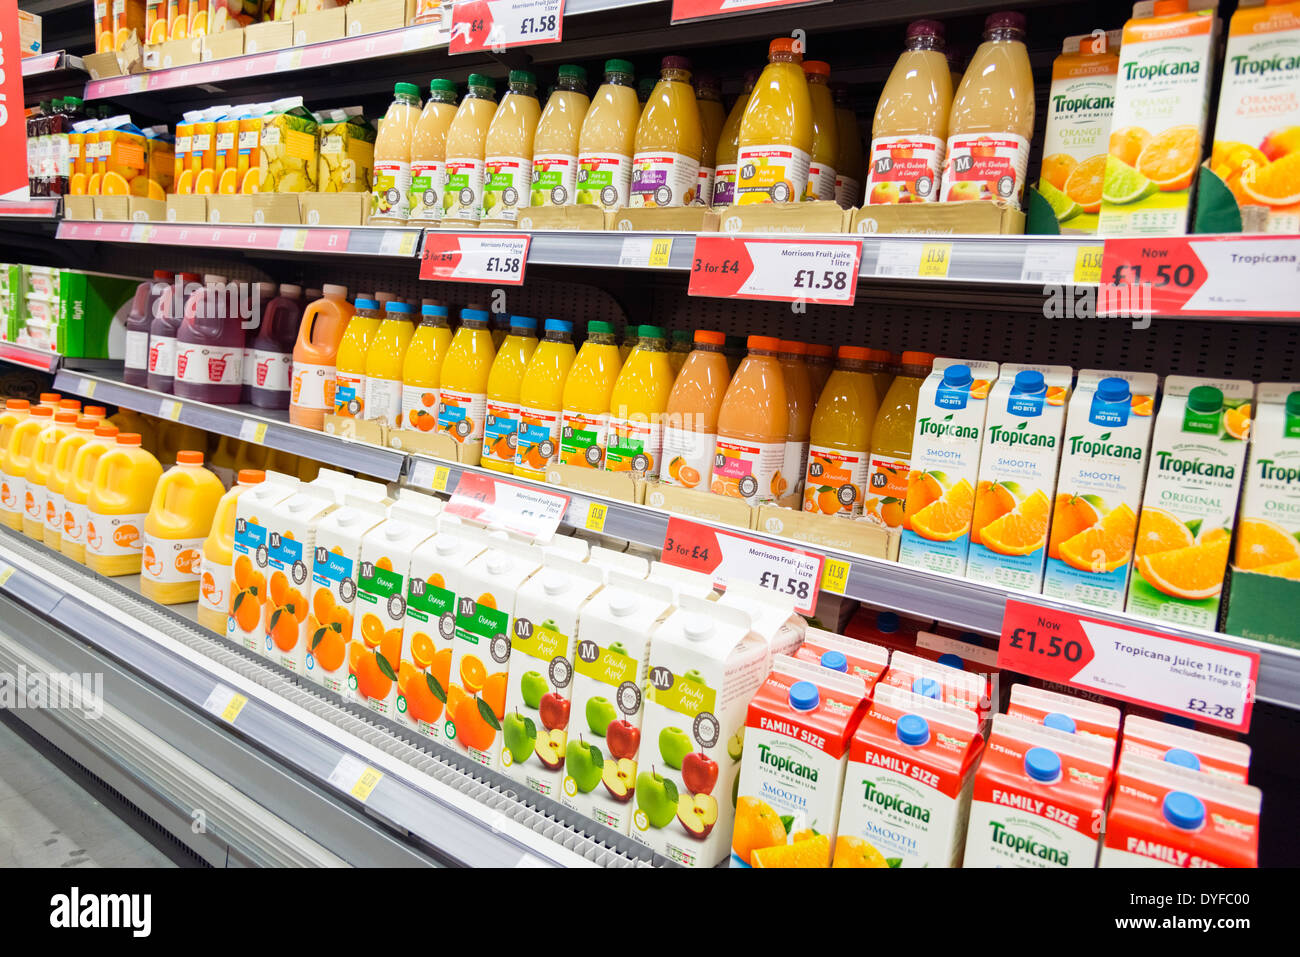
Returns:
(699, 772)
(623, 739)
(554, 711)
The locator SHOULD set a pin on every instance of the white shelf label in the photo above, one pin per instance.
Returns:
(355, 777)
(225, 703)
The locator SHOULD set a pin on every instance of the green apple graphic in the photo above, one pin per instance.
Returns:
(736, 745)
(693, 675)
(519, 734)
(532, 686)
(657, 796)
(600, 715)
(617, 648)
(674, 745)
(585, 763)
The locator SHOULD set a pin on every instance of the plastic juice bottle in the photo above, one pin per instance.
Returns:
(910, 131)
(776, 132)
(120, 494)
(631, 336)
(679, 350)
(753, 426)
(60, 472)
(882, 373)
(798, 391)
(637, 404)
(172, 438)
(350, 362)
(384, 361)
(128, 420)
(826, 132)
(135, 369)
(556, 144)
(210, 349)
(669, 143)
(391, 196)
(269, 360)
(499, 324)
(885, 491)
(840, 435)
(819, 364)
(462, 387)
(691, 416)
(724, 176)
(11, 490)
(466, 142)
(849, 161)
(76, 490)
(38, 472)
(644, 87)
(541, 400)
(708, 98)
(587, 389)
(422, 368)
(501, 426)
(992, 118)
(315, 356)
(51, 400)
(608, 140)
(429, 152)
(19, 458)
(508, 150)
(167, 313)
(224, 458)
(180, 518)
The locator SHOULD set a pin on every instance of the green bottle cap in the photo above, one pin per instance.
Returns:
(573, 72)
(406, 89)
(596, 326)
(442, 85)
(618, 66)
(521, 77)
(1205, 399)
(478, 79)
(652, 332)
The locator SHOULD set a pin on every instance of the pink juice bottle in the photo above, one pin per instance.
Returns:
(268, 382)
(166, 311)
(210, 345)
(135, 369)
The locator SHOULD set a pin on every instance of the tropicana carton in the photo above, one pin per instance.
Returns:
(1089, 719)
(860, 659)
(290, 554)
(1040, 798)
(939, 682)
(1211, 754)
(249, 571)
(798, 726)
(908, 792)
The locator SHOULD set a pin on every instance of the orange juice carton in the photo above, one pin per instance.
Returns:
(386, 552)
(543, 643)
(860, 659)
(160, 162)
(772, 617)
(1099, 488)
(347, 151)
(939, 682)
(1157, 741)
(290, 554)
(945, 465)
(683, 581)
(615, 631)
(1089, 719)
(1165, 815)
(798, 727)
(908, 790)
(1040, 798)
(123, 165)
(1013, 499)
(249, 570)
(1257, 133)
(1189, 507)
(1157, 130)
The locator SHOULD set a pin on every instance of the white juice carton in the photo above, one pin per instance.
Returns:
(908, 791)
(705, 664)
(615, 631)
(291, 552)
(1013, 500)
(945, 465)
(798, 728)
(1099, 488)
(861, 659)
(608, 560)
(1040, 798)
(773, 617)
(1063, 712)
(1190, 505)
(1158, 741)
(249, 571)
(683, 581)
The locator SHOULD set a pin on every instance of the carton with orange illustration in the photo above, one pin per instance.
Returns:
(1099, 488)
(1017, 484)
(160, 160)
(945, 464)
(155, 21)
(122, 162)
(939, 682)
(248, 155)
(1090, 719)
(249, 569)
(290, 554)
(184, 144)
(860, 659)
(225, 150)
(203, 152)
(1198, 455)
(1210, 754)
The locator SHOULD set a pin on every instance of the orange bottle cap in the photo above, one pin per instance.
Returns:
(87, 424)
(819, 351)
(73, 404)
(41, 410)
(764, 343)
(918, 359)
(251, 476)
(794, 347)
(128, 438)
(66, 416)
(877, 355)
(1164, 7)
(709, 337)
(854, 352)
(95, 411)
(189, 458)
(819, 67)
(18, 405)
(50, 398)
(106, 429)
(782, 45)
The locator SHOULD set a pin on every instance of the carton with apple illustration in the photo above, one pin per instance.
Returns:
(683, 581)
(861, 659)
(544, 743)
(1089, 719)
(797, 730)
(1208, 753)
(249, 571)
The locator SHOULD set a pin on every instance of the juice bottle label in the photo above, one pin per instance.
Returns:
(391, 198)
(983, 166)
(743, 469)
(75, 518)
(419, 407)
(501, 432)
(771, 174)
(886, 490)
(313, 386)
(537, 441)
(162, 356)
(724, 184)
(634, 445)
(384, 400)
(349, 394)
(53, 516)
(689, 456)
(269, 370)
(214, 586)
(583, 438)
(168, 561)
(463, 198)
(821, 182)
(209, 365)
(604, 179)
(834, 481)
(704, 185)
(110, 536)
(33, 502)
(555, 179)
(663, 179)
(507, 186)
(461, 414)
(904, 169)
(137, 350)
(428, 183)
(793, 469)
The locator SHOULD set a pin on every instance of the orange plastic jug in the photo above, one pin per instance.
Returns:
(323, 325)
(120, 494)
(15, 411)
(180, 518)
(76, 490)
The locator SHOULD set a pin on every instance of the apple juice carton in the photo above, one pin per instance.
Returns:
(772, 617)
(1013, 500)
(290, 554)
(608, 560)
(940, 682)
(857, 658)
(1165, 815)
(1099, 488)
(945, 465)
(543, 640)
(249, 571)
(1208, 753)
(1064, 712)
(908, 791)
(705, 664)
(1197, 458)
(798, 727)
(1040, 798)
(615, 631)
(683, 581)
(1157, 131)
(381, 602)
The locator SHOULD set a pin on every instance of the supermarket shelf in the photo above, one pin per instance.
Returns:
(41, 359)
(45, 64)
(328, 240)
(264, 426)
(31, 210)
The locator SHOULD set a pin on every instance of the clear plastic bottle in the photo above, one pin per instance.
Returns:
(508, 150)
(826, 136)
(608, 140)
(429, 153)
(501, 427)
(753, 426)
(422, 368)
(556, 143)
(669, 143)
(776, 133)
(391, 195)
(708, 98)
(724, 176)
(850, 163)
(466, 141)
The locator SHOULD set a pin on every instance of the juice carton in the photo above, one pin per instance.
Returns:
(1162, 102)
(967, 651)
(122, 162)
(945, 465)
(1013, 500)
(543, 640)
(386, 552)
(1099, 488)
(888, 628)
(1040, 798)
(347, 151)
(615, 631)
(837, 653)
(249, 571)
(683, 581)
(1064, 712)
(908, 791)
(940, 682)
(1158, 741)
(1197, 458)
(290, 554)
(289, 159)
(609, 560)
(160, 163)
(1164, 815)
(798, 727)
(772, 617)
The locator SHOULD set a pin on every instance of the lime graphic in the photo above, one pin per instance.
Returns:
(1064, 207)
(1124, 184)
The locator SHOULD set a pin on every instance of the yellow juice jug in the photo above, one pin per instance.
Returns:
(826, 133)
(51, 399)
(173, 438)
(891, 443)
(38, 471)
(65, 454)
(76, 490)
(508, 150)
(384, 362)
(128, 420)
(840, 435)
(541, 400)
(180, 518)
(798, 393)
(219, 554)
(15, 411)
(587, 389)
(501, 427)
(776, 132)
(120, 494)
(350, 365)
(223, 459)
(724, 174)
(669, 141)
(636, 407)
(462, 387)
(608, 140)
(422, 368)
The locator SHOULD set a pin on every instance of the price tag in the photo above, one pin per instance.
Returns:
(396, 242)
(170, 409)
(1087, 265)
(730, 557)
(294, 240)
(934, 260)
(439, 481)
(701, 9)
(1048, 263)
(821, 271)
(501, 24)
(835, 575)
(225, 703)
(497, 258)
(288, 60)
(88, 388)
(596, 513)
(1196, 679)
(5, 572)
(496, 503)
(647, 251)
(355, 777)
(252, 431)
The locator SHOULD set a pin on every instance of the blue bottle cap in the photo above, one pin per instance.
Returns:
(804, 696)
(1028, 382)
(1183, 758)
(913, 729)
(434, 311)
(951, 660)
(927, 688)
(835, 661)
(1042, 764)
(887, 621)
(473, 315)
(957, 377)
(523, 322)
(1113, 389)
(366, 304)
(402, 308)
(1183, 810)
(559, 325)
(1061, 722)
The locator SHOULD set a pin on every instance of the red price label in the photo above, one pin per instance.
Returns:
(13, 122)
(496, 503)
(500, 24)
(821, 271)
(497, 258)
(1197, 679)
(700, 9)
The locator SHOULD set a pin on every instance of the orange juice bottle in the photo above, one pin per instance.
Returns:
(315, 355)
(38, 471)
(637, 405)
(350, 362)
(462, 386)
(585, 424)
(891, 442)
(466, 141)
(541, 400)
(76, 490)
(882, 372)
(508, 150)
(691, 417)
(724, 175)
(65, 454)
(120, 494)
(608, 140)
(679, 350)
(753, 425)
(11, 489)
(799, 398)
(826, 134)
(776, 133)
(708, 97)
(841, 437)
(180, 518)
(669, 142)
(817, 360)
(384, 362)
(501, 427)
(849, 162)
(422, 368)
(631, 336)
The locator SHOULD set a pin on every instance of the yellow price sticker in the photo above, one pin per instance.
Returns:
(88, 388)
(934, 260)
(254, 432)
(355, 777)
(1087, 264)
(440, 476)
(661, 251)
(232, 709)
(407, 245)
(835, 575)
(596, 516)
(5, 572)
(170, 409)
(366, 783)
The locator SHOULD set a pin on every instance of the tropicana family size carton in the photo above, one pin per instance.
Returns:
(860, 659)
(249, 570)
(939, 682)
(1211, 754)
(1089, 719)
(291, 553)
